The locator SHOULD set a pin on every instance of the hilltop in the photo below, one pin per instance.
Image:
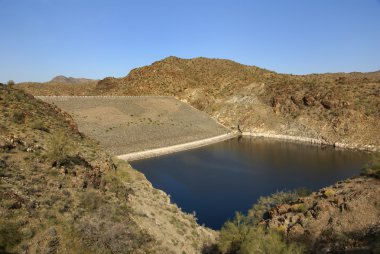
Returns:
(340, 109)
(69, 80)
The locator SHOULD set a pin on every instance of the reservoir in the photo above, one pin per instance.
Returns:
(219, 179)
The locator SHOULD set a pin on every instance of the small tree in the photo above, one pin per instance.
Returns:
(11, 83)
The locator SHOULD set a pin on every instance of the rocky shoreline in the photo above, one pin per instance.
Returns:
(369, 148)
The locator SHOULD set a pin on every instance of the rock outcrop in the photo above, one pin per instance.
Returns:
(342, 217)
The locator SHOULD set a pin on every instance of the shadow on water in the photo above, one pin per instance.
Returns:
(217, 180)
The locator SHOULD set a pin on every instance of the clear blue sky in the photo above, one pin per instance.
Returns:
(97, 38)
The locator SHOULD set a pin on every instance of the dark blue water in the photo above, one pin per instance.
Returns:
(217, 180)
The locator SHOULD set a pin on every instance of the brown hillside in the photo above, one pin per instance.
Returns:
(61, 193)
(335, 108)
(53, 88)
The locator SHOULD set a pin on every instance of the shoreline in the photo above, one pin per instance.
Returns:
(369, 148)
(176, 148)
(208, 141)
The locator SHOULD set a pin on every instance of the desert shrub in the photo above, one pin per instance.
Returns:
(298, 208)
(3, 129)
(264, 204)
(373, 169)
(18, 117)
(303, 191)
(244, 236)
(59, 149)
(328, 192)
(39, 125)
(376, 248)
(91, 200)
(9, 235)
(10, 83)
(104, 236)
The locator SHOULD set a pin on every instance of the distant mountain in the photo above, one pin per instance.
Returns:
(60, 85)
(69, 80)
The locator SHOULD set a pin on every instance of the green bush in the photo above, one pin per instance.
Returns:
(18, 117)
(39, 125)
(10, 83)
(303, 191)
(298, 208)
(244, 236)
(264, 204)
(373, 169)
(9, 235)
(58, 149)
(91, 200)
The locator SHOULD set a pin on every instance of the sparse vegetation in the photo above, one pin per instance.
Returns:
(246, 234)
(59, 149)
(39, 125)
(18, 117)
(10, 83)
(328, 192)
(373, 169)
(10, 235)
(264, 204)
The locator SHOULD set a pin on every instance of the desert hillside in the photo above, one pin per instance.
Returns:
(60, 85)
(61, 193)
(335, 108)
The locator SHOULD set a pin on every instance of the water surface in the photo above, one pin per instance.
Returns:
(217, 180)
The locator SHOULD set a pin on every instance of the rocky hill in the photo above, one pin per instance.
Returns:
(69, 80)
(340, 108)
(335, 219)
(61, 193)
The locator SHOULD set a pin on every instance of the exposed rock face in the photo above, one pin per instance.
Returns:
(345, 216)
